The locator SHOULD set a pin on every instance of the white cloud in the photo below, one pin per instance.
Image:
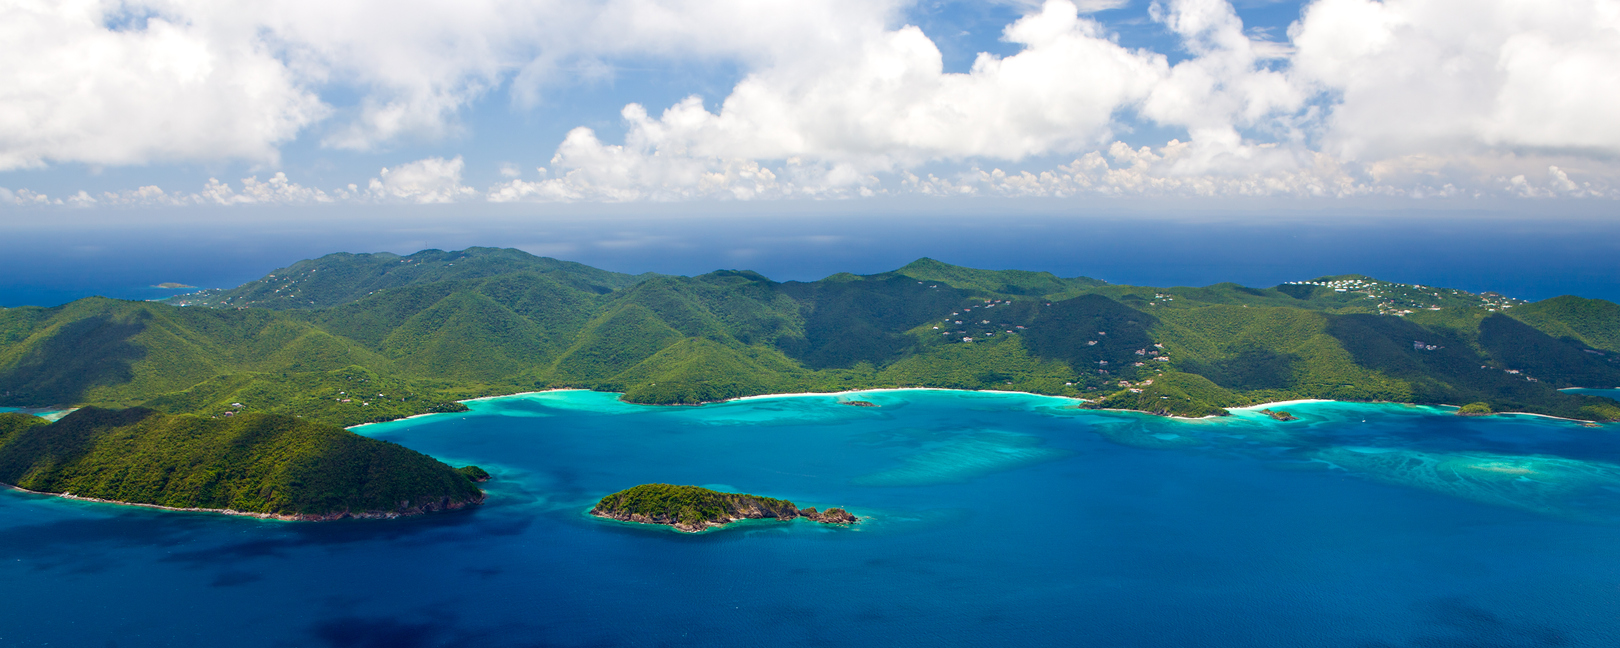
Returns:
(839, 98)
(1419, 98)
(138, 81)
(888, 102)
(430, 180)
(607, 173)
(1224, 86)
(75, 90)
(1460, 77)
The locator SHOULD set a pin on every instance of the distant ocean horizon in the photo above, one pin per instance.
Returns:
(1530, 259)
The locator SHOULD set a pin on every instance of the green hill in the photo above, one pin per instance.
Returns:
(352, 338)
(693, 509)
(252, 463)
(337, 279)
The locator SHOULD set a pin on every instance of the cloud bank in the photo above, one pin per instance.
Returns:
(840, 99)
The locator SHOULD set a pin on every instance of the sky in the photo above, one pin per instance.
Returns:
(150, 106)
(1465, 143)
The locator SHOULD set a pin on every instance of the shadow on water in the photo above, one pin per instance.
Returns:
(430, 629)
(233, 578)
(1459, 624)
(76, 542)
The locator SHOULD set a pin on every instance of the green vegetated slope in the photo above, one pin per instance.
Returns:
(348, 339)
(693, 508)
(255, 463)
(342, 278)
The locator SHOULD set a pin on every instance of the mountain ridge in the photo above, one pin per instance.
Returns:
(348, 339)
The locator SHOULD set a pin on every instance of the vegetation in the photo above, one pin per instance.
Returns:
(1475, 409)
(252, 463)
(692, 509)
(348, 339)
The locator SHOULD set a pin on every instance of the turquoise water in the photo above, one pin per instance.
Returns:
(990, 519)
(47, 414)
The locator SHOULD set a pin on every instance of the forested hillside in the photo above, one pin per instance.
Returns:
(351, 338)
(252, 463)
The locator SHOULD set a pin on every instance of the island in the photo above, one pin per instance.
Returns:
(1279, 415)
(860, 403)
(692, 509)
(170, 285)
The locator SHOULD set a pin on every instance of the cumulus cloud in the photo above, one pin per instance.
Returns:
(425, 181)
(1401, 97)
(888, 102)
(156, 88)
(139, 81)
(431, 180)
(839, 98)
(1448, 77)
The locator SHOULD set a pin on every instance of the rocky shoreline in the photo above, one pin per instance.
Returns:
(691, 509)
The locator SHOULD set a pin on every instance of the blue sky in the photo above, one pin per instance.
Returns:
(175, 103)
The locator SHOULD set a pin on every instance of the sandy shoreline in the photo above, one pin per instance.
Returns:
(1556, 418)
(1270, 405)
(876, 390)
(527, 393)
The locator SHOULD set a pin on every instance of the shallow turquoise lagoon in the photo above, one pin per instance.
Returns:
(990, 519)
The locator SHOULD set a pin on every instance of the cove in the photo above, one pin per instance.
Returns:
(988, 519)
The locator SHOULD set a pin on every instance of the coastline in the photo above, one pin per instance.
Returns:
(1255, 407)
(96, 500)
(1556, 418)
(468, 400)
(1299, 401)
(279, 517)
(527, 393)
(882, 389)
(1165, 416)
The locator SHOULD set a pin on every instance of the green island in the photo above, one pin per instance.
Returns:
(348, 339)
(692, 509)
(263, 465)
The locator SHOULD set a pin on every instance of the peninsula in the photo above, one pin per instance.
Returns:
(260, 465)
(692, 509)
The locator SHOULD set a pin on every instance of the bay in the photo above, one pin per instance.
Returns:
(988, 519)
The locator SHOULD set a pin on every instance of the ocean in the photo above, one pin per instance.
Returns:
(988, 519)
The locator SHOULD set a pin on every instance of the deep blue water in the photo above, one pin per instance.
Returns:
(991, 519)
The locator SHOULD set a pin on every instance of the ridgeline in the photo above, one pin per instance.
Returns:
(354, 338)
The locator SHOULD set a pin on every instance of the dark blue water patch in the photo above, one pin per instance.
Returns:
(1102, 540)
